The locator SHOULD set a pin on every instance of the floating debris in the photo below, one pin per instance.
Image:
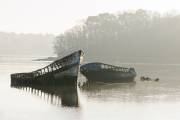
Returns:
(143, 78)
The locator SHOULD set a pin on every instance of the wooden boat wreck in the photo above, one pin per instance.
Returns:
(100, 72)
(61, 72)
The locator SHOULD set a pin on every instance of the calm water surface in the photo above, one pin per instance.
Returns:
(138, 100)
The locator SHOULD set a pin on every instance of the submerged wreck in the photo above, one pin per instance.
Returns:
(100, 72)
(61, 72)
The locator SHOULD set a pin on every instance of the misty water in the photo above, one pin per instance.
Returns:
(148, 100)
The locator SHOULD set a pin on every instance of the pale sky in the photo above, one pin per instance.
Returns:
(56, 16)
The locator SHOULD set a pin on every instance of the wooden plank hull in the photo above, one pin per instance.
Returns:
(61, 72)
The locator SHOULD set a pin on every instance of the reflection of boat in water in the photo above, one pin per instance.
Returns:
(62, 71)
(65, 96)
(102, 88)
(107, 73)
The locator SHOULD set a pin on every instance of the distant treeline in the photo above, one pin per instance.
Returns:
(114, 36)
(26, 44)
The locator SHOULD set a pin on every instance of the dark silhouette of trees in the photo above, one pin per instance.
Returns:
(114, 36)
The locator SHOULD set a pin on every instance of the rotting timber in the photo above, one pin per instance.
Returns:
(61, 72)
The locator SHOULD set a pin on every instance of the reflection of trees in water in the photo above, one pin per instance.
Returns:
(64, 95)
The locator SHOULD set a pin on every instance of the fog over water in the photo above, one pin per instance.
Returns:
(141, 35)
(26, 44)
(149, 100)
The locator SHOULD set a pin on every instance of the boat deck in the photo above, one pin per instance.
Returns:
(103, 66)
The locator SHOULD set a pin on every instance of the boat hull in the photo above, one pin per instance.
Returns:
(100, 72)
(110, 77)
(61, 72)
(56, 78)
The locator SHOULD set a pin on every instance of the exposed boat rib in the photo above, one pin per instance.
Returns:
(69, 62)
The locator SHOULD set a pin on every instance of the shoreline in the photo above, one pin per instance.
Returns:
(46, 59)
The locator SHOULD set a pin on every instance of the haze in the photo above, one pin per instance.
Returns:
(56, 16)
